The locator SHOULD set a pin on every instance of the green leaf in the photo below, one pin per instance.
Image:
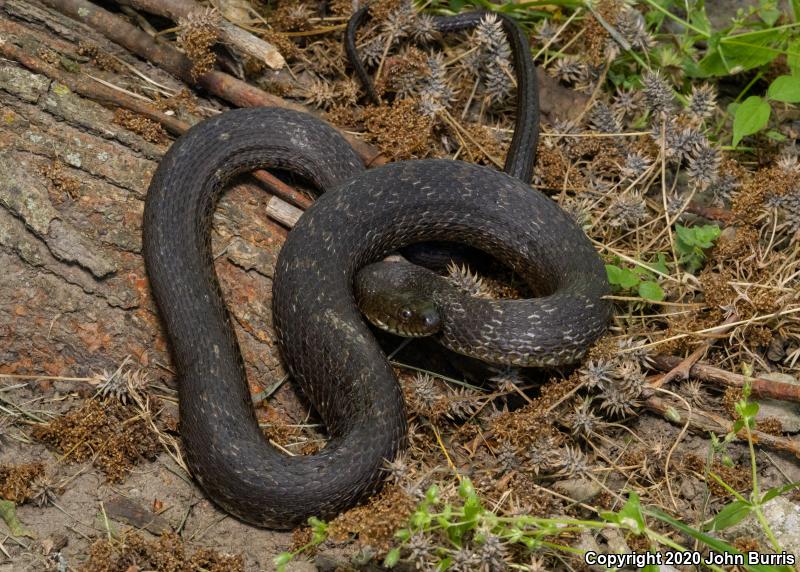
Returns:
(8, 512)
(730, 514)
(793, 56)
(714, 543)
(699, 19)
(727, 55)
(777, 491)
(281, 560)
(650, 290)
(747, 410)
(705, 235)
(768, 11)
(750, 117)
(785, 88)
(685, 236)
(629, 516)
(660, 265)
(621, 277)
(776, 136)
(466, 489)
(392, 558)
(432, 494)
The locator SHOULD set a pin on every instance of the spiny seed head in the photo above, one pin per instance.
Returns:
(347, 91)
(582, 420)
(702, 102)
(43, 491)
(400, 22)
(631, 26)
(617, 402)
(497, 82)
(658, 94)
(491, 554)
(541, 454)
(725, 187)
(598, 183)
(544, 31)
(703, 167)
(121, 384)
(568, 69)
(462, 404)
(629, 377)
(372, 52)
(627, 211)
(603, 119)
(463, 560)
(424, 29)
(321, 94)
(627, 103)
(463, 278)
(565, 127)
(693, 392)
(508, 379)
(573, 462)
(425, 394)
(435, 85)
(589, 76)
(429, 106)
(596, 373)
(636, 164)
(399, 470)
(789, 162)
(635, 351)
(680, 144)
(507, 459)
(489, 35)
(579, 209)
(420, 550)
(675, 205)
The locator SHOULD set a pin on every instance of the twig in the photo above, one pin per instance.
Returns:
(682, 369)
(237, 92)
(229, 33)
(759, 386)
(92, 90)
(118, 98)
(703, 421)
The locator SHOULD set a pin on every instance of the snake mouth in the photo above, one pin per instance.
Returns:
(422, 325)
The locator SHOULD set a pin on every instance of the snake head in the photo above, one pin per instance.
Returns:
(393, 296)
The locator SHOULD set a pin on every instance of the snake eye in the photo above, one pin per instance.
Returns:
(405, 314)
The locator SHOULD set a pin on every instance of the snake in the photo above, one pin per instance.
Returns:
(327, 346)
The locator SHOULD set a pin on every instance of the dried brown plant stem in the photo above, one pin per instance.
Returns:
(237, 92)
(759, 386)
(682, 369)
(229, 33)
(711, 213)
(703, 421)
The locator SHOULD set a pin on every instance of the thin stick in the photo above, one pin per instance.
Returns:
(760, 387)
(237, 92)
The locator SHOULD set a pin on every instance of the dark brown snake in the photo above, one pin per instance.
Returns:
(327, 346)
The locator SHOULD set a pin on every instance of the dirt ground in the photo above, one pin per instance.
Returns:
(75, 304)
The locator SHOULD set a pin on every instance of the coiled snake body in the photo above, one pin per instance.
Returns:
(327, 347)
